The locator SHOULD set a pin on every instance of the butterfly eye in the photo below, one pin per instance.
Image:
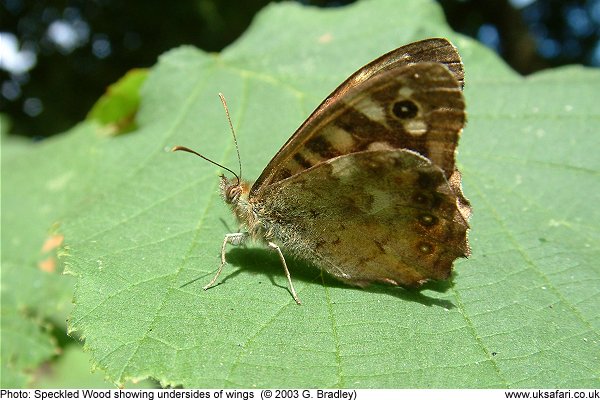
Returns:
(232, 194)
(405, 109)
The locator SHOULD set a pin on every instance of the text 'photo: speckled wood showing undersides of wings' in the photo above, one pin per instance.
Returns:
(367, 188)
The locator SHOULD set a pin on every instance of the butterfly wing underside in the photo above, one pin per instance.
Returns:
(373, 216)
(367, 187)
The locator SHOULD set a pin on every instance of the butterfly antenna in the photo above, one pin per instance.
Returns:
(182, 148)
(233, 133)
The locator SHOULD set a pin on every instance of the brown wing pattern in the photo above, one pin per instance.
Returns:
(373, 76)
(383, 215)
(417, 107)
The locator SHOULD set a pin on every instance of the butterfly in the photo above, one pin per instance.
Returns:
(367, 188)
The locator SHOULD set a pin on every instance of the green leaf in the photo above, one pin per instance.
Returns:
(72, 370)
(40, 183)
(116, 109)
(522, 311)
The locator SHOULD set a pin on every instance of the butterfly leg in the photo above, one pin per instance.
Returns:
(287, 272)
(231, 238)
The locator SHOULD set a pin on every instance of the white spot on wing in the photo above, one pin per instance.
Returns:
(380, 146)
(342, 167)
(310, 156)
(405, 92)
(339, 138)
(416, 127)
(370, 109)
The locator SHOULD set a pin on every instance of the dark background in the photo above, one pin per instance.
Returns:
(58, 57)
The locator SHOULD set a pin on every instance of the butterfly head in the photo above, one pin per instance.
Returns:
(232, 190)
(236, 195)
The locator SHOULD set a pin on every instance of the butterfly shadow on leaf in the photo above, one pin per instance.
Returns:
(262, 261)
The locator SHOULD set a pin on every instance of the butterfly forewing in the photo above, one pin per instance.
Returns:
(418, 107)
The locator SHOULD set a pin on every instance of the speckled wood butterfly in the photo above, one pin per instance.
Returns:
(367, 188)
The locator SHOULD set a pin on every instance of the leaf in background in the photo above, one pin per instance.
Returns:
(522, 311)
(117, 108)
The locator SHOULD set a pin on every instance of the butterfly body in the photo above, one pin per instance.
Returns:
(367, 188)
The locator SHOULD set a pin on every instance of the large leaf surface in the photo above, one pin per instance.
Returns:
(522, 311)
(41, 183)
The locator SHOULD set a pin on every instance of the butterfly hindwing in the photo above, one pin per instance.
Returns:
(382, 215)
